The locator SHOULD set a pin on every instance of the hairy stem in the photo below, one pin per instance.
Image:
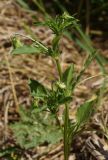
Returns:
(66, 118)
(59, 68)
(66, 140)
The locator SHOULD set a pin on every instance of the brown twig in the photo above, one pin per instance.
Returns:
(6, 120)
(12, 82)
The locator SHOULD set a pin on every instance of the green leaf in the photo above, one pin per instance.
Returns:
(54, 136)
(40, 23)
(88, 46)
(102, 58)
(7, 153)
(60, 23)
(36, 128)
(64, 100)
(68, 76)
(84, 111)
(23, 4)
(82, 45)
(37, 89)
(26, 50)
(55, 42)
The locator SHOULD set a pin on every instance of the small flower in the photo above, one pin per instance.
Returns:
(61, 85)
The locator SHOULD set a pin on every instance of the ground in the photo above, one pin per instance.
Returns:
(15, 71)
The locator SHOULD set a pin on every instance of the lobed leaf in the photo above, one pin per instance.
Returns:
(37, 89)
(36, 129)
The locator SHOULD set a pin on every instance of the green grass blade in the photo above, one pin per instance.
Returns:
(23, 4)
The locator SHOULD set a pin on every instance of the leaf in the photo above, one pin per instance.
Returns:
(82, 45)
(23, 114)
(7, 153)
(23, 4)
(60, 23)
(37, 89)
(68, 76)
(64, 100)
(55, 42)
(88, 46)
(54, 136)
(40, 23)
(102, 58)
(36, 129)
(26, 50)
(84, 111)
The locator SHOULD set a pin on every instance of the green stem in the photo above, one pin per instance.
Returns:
(59, 68)
(58, 122)
(66, 140)
(66, 118)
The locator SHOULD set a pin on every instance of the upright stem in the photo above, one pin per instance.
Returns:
(66, 118)
(59, 68)
(66, 140)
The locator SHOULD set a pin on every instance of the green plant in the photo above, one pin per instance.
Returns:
(11, 153)
(47, 101)
(35, 128)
